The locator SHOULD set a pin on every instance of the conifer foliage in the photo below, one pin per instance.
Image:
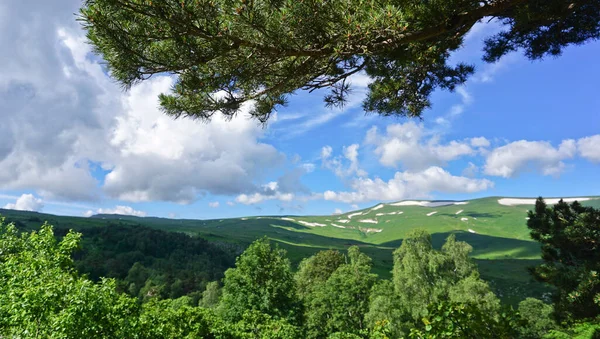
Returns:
(225, 53)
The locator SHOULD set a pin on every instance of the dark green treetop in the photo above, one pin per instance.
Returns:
(570, 238)
(224, 53)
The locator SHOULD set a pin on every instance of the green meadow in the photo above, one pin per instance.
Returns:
(497, 232)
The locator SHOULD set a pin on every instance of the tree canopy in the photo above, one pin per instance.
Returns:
(225, 53)
(570, 238)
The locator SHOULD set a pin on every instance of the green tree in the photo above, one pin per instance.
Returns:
(210, 296)
(315, 270)
(538, 318)
(465, 320)
(338, 300)
(265, 50)
(424, 276)
(570, 239)
(42, 296)
(262, 281)
(385, 307)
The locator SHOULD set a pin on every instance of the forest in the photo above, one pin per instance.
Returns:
(51, 288)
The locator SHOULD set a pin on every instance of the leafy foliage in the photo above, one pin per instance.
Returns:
(424, 276)
(538, 318)
(262, 281)
(339, 298)
(151, 263)
(265, 50)
(452, 320)
(42, 296)
(570, 238)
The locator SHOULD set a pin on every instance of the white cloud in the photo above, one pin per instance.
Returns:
(213, 204)
(26, 202)
(410, 146)
(230, 203)
(120, 210)
(471, 170)
(62, 115)
(408, 185)
(589, 148)
(520, 156)
(256, 198)
(342, 166)
(480, 142)
(270, 191)
(337, 211)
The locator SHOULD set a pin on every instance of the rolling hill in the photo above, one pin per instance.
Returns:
(494, 226)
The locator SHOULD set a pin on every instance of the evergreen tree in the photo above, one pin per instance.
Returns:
(570, 238)
(265, 50)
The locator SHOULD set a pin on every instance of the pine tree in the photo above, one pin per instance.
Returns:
(225, 53)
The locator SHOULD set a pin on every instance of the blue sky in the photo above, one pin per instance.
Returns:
(74, 143)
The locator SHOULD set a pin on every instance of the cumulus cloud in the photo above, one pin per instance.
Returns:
(62, 113)
(26, 202)
(589, 148)
(408, 185)
(480, 142)
(213, 204)
(414, 148)
(521, 156)
(120, 210)
(337, 211)
(269, 191)
(471, 170)
(345, 165)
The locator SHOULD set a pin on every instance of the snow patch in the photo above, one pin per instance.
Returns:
(464, 219)
(338, 226)
(377, 207)
(288, 219)
(459, 212)
(428, 203)
(343, 221)
(380, 214)
(431, 213)
(470, 230)
(354, 214)
(369, 221)
(311, 224)
(371, 230)
(514, 201)
(244, 218)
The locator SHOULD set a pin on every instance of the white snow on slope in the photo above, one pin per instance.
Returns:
(338, 226)
(428, 203)
(312, 224)
(369, 230)
(515, 201)
(377, 207)
(343, 221)
(369, 221)
(459, 212)
(470, 230)
(391, 213)
(464, 219)
(353, 214)
(288, 219)
(431, 213)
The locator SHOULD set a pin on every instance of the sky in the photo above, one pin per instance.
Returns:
(72, 142)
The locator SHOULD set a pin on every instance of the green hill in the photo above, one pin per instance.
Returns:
(494, 226)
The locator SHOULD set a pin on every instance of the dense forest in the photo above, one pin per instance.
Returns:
(433, 293)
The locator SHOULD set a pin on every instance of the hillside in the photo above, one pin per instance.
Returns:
(494, 226)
